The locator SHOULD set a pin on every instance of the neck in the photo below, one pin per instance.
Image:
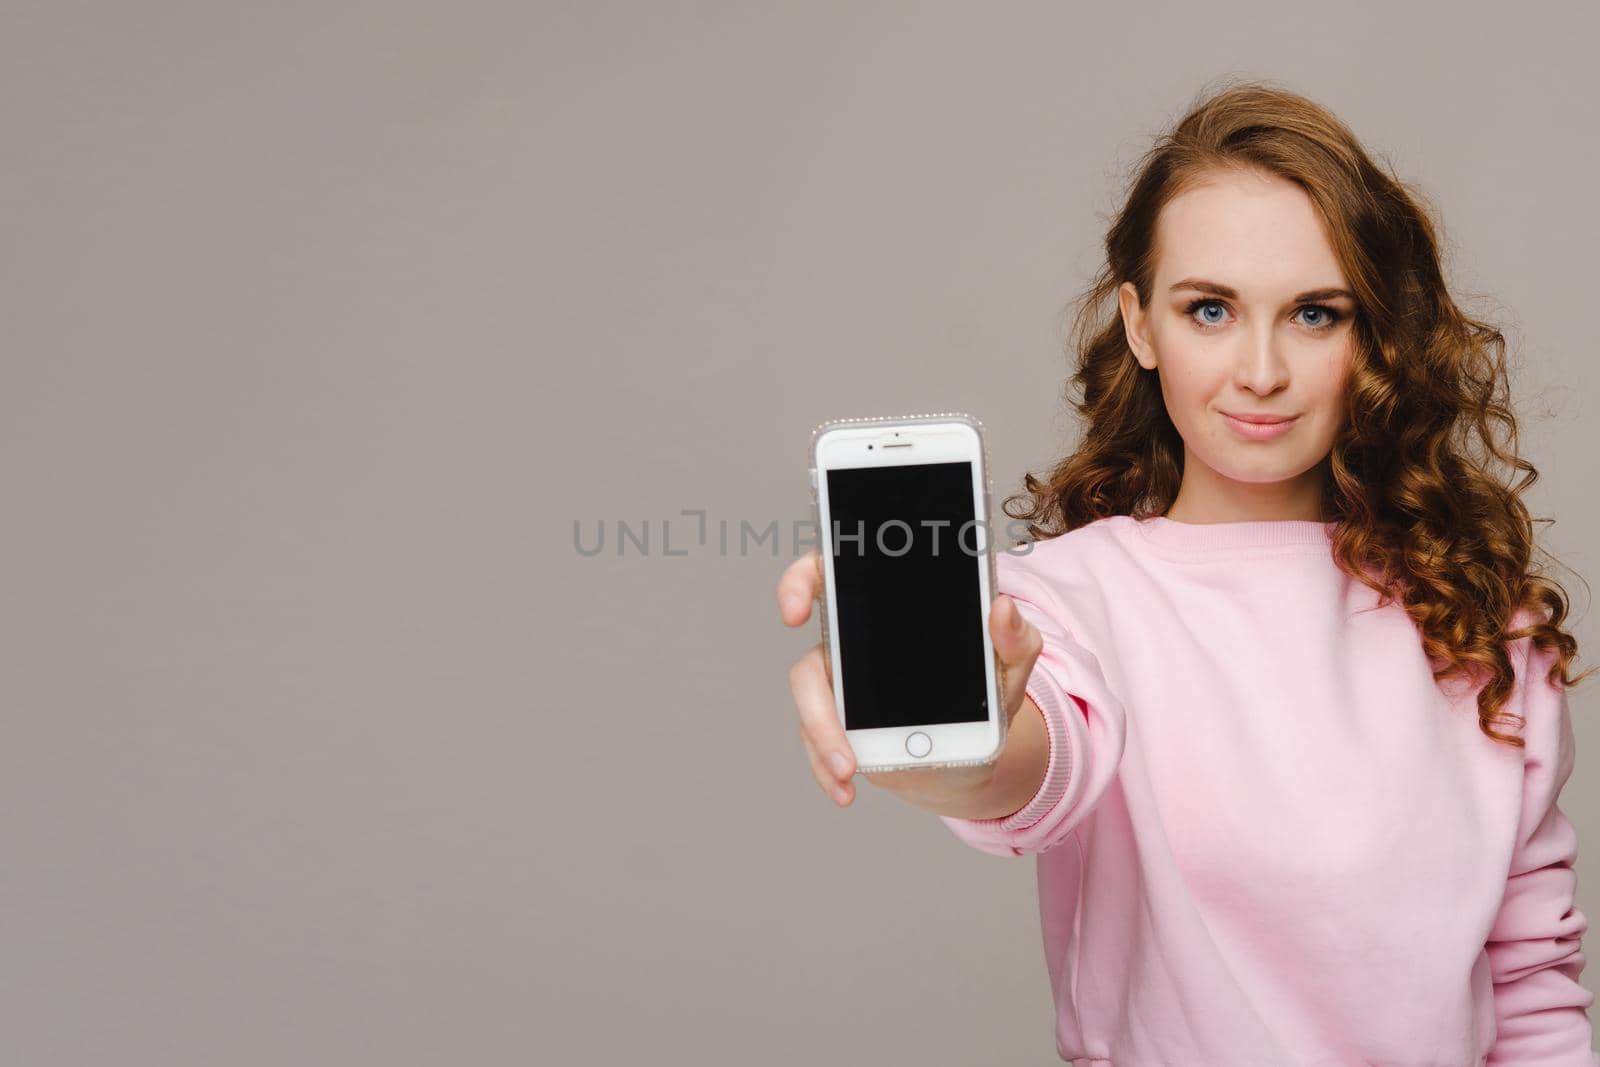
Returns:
(1206, 497)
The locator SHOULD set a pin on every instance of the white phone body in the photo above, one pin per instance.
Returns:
(902, 511)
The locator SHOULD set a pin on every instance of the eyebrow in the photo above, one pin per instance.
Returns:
(1227, 292)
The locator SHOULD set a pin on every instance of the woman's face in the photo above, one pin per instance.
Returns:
(1242, 324)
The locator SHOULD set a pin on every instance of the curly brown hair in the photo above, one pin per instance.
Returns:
(1413, 481)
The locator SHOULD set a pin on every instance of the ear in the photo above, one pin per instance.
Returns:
(1134, 326)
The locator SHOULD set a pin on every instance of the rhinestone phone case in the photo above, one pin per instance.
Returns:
(995, 703)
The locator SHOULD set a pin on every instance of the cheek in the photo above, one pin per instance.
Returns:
(1190, 376)
(1329, 388)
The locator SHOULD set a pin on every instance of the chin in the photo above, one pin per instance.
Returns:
(1265, 471)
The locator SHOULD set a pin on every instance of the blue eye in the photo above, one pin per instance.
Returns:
(1204, 304)
(1326, 313)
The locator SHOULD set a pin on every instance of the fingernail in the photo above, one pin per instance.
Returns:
(840, 763)
(1016, 616)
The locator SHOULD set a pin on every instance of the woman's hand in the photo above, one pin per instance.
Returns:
(942, 790)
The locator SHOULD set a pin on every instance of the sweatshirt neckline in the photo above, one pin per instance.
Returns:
(1196, 539)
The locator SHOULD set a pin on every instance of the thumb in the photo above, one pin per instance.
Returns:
(1017, 642)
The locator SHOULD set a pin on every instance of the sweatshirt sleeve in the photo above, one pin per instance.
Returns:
(1535, 945)
(1085, 724)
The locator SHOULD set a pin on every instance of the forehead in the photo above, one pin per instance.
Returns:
(1256, 232)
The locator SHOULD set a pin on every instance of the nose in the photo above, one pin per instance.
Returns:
(1261, 367)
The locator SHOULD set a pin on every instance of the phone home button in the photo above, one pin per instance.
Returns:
(919, 744)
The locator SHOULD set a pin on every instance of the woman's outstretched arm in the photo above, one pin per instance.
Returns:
(1071, 714)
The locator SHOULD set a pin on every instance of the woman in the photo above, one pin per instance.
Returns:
(1289, 721)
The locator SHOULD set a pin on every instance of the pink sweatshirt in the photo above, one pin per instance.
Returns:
(1267, 837)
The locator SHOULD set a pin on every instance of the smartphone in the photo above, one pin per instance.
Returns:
(902, 512)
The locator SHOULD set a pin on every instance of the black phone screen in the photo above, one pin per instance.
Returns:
(906, 550)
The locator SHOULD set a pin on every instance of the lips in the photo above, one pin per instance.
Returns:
(1260, 427)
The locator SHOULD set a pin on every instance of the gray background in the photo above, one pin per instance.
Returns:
(325, 322)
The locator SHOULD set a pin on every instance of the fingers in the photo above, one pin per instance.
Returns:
(840, 792)
(833, 765)
(800, 584)
(832, 762)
